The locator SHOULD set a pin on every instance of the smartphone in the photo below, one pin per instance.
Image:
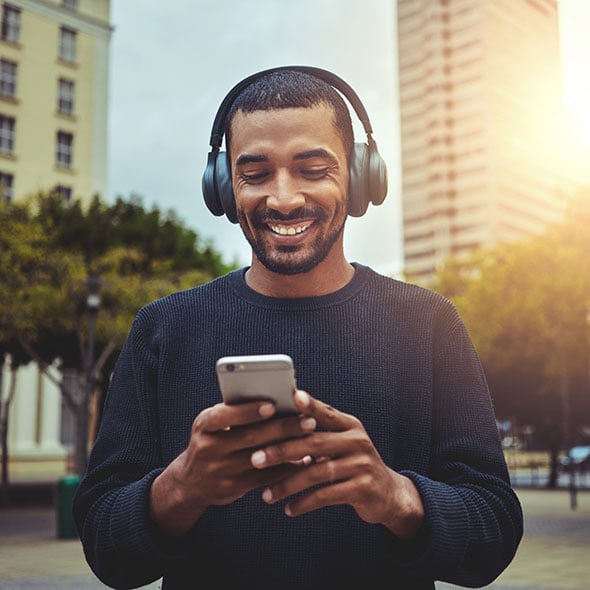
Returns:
(258, 377)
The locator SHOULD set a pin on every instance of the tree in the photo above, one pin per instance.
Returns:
(527, 306)
(27, 269)
(18, 358)
(49, 249)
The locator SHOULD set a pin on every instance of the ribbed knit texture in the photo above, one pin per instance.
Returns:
(396, 356)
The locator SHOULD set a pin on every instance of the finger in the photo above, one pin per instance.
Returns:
(230, 485)
(255, 478)
(327, 416)
(254, 436)
(224, 416)
(327, 472)
(331, 495)
(317, 444)
(303, 462)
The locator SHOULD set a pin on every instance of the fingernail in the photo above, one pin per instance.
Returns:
(288, 510)
(258, 458)
(302, 397)
(267, 495)
(266, 410)
(308, 423)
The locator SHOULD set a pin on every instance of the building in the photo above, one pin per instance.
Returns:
(54, 58)
(54, 62)
(483, 156)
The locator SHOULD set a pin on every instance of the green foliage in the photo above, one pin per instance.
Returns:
(48, 248)
(48, 251)
(34, 278)
(527, 307)
(127, 224)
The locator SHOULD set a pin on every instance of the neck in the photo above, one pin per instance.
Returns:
(327, 277)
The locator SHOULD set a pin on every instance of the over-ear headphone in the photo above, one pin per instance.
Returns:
(368, 172)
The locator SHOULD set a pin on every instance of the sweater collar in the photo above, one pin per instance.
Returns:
(238, 283)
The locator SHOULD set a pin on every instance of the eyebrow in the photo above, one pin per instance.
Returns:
(244, 159)
(250, 159)
(315, 153)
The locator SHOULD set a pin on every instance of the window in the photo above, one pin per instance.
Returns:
(70, 4)
(6, 187)
(10, 23)
(64, 149)
(7, 78)
(67, 44)
(63, 192)
(65, 97)
(6, 135)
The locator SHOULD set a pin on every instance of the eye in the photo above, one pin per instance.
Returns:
(254, 177)
(316, 173)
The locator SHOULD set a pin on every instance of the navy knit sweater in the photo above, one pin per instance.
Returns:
(396, 356)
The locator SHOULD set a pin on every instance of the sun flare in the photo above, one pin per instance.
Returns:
(584, 120)
(575, 47)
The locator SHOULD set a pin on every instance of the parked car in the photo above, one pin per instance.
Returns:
(577, 458)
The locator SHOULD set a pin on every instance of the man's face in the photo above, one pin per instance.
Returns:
(290, 180)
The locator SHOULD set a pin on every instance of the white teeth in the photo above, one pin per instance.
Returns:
(288, 231)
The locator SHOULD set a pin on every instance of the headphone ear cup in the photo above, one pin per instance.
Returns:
(377, 175)
(358, 185)
(208, 186)
(224, 187)
(368, 179)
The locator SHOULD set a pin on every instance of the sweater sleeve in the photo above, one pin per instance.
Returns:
(111, 507)
(473, 521)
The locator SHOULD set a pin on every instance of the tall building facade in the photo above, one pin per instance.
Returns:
(480, 106)
(54, 61)
(54, 58)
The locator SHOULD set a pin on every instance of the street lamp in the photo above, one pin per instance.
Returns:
(93, 285)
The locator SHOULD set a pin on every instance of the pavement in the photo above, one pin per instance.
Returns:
(554, 553)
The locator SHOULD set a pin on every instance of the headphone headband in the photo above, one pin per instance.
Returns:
(218, 129)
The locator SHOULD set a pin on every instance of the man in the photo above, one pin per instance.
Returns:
(391, 476)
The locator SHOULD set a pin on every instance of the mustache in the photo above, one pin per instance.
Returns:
(306, 212)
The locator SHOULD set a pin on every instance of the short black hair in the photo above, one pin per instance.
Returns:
(285, 89)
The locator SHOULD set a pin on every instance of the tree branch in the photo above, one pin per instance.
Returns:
(104, 356)
(44, 367)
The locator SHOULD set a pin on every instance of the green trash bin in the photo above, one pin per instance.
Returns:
(66, 488)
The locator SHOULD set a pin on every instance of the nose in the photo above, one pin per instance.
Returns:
(284, 195)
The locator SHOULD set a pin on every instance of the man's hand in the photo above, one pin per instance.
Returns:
(215, 468)
(348, 470)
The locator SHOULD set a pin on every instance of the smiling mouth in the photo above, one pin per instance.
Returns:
(292, 230)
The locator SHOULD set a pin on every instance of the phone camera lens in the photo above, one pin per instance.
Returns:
(231, 368)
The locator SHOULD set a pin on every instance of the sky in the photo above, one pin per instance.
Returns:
(173, 61)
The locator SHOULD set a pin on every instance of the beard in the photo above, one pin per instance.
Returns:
(298, 259)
